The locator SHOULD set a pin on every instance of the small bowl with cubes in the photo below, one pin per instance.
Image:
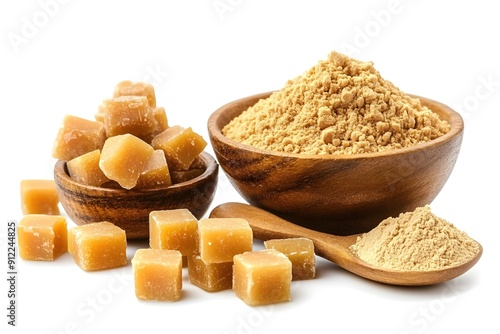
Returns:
(129, 161)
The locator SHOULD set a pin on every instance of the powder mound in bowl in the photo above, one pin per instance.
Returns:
(339, 106)
(417, 240)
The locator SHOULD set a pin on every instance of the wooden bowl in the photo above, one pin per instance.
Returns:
(129, 209)
(338, 194)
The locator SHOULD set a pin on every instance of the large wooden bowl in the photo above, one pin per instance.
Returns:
(338, 194)
(129, 209)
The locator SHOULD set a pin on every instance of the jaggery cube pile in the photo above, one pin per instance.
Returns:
(220, 256)
(129, 144)
(339, 106)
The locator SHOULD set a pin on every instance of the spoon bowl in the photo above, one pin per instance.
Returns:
(266, 225)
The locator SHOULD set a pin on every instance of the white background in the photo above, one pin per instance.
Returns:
(64, 57)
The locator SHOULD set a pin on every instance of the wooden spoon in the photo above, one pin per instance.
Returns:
(267, 226)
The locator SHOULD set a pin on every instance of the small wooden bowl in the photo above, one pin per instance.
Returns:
(129, 209)
(338, 194)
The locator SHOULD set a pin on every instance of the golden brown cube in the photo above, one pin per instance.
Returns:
(175, 229)
(181, 146)
(128, 114)
(77, 136)
(39, 197)
(129, 88)
(97, 246)
(42, 237)
(210, 277)
(156, 173)
(262, 277)
(222, 238)
(157, 274)
(300, 251)
(124, 158)
(85, 169)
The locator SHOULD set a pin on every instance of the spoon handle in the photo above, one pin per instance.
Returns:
(266, 225)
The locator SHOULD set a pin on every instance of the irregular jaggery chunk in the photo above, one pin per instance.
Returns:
(128, 114)
(39, 197)
(111, 185)
(181, 146)
(77, 136)
(156, 173)
(97, 246)
(179, 176)
(99, 115)
(129, 88)
(300, 251)
(222, 238)
(157, 274)
(175, 229)
(262, 277)
(42, 237)
(210, 277)
(161, 119)
(85, 169)
(123, 159)
(196, 169)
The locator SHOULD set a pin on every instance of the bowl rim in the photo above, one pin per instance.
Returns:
(60, 174)
(455, 120)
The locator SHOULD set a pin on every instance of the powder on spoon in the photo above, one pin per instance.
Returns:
(339, 106)
(417, 240)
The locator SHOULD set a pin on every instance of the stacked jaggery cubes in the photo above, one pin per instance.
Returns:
(43, 233)
(129, 144)
(219, 257)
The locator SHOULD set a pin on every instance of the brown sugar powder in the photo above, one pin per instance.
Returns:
(417, 240)
(339, 106)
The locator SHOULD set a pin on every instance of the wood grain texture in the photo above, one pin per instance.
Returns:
(335, 248)
(340, 194)
(129, 209)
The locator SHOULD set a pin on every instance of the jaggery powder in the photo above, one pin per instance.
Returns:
(417, 240)
(339, 106)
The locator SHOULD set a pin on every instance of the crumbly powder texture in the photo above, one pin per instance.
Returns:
(417, 240)
(339, 106)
